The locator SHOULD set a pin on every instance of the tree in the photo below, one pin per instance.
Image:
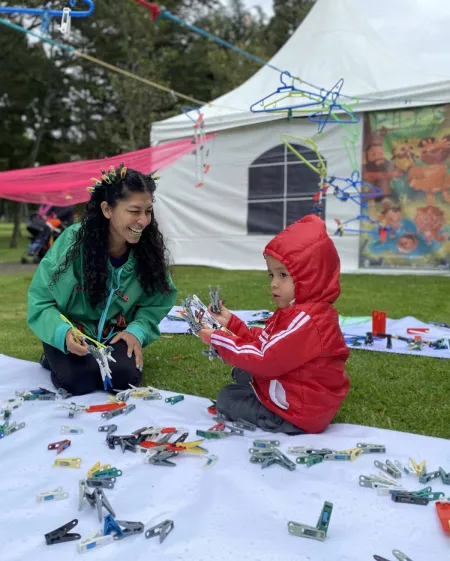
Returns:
(288, 15)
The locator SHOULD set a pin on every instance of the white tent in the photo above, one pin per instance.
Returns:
(251, 178)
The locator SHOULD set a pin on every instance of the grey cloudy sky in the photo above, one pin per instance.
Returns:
(266, 5)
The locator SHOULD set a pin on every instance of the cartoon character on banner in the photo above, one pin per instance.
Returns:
(430, 222)
(433, 177)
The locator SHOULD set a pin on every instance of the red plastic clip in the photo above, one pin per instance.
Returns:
(105, 407)
(168, 430)
(378, 322)
(219, 427)
(443, 511)
(417, 330)
(212, 409)
(154, 9)
(59, 446)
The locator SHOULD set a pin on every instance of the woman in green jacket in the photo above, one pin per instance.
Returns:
(109, 277)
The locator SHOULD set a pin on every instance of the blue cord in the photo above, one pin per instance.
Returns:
(40, 37)
(218, 40)
(101, 323)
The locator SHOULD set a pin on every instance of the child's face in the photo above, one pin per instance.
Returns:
(281, 283)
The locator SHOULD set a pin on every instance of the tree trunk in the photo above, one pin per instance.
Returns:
(16, 230)
(18, 207)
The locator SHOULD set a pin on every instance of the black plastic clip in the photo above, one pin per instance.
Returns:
(408, 498)
(62, 534)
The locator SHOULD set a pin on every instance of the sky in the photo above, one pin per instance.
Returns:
(418, 30)
(266, 5)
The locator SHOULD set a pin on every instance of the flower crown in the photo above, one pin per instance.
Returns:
(111, 177)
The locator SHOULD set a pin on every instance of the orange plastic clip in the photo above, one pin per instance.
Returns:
(443, 511)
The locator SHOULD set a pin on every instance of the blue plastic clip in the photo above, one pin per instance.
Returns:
(174, 399)
(110, 525)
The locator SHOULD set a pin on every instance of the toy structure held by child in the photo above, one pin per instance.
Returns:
(290, 376)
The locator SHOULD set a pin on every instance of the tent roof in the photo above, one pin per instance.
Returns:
(336, 40)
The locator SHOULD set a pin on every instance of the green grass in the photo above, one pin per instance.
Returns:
(12, 255)
(388, 391)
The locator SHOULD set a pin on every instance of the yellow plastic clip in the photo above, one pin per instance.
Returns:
(68, 462)
(79, 334)
(95, 468)
(354, 453)
(192, 443)
(418, 468)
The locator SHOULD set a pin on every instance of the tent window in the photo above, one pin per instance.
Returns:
(280, 189)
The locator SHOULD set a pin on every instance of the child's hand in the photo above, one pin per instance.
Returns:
(205, 335)
(223, 317)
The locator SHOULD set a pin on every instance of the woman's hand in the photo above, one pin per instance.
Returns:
(76, 345)
(223, 317)
(133, 347)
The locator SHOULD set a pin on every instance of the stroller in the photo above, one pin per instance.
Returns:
(44, 228)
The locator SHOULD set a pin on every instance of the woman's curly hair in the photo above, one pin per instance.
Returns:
(150, 251)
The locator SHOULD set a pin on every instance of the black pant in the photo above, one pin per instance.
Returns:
(80, 375)
(239, 401)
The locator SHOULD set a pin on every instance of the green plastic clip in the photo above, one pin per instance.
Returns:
(422, 492)
(310, 460)
(325, 516)
(433, 496)
(213, 434)
(321, 529)
(103, 473)
(174, 399)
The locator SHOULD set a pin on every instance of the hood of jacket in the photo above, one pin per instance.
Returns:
(309, 255)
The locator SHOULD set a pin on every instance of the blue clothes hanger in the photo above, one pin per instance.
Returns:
(354, 183)
(342, 226)
(330, 99)
(283, 92)
(186, 109)
(50, 13)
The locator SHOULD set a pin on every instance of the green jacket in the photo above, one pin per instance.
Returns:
(127, 304)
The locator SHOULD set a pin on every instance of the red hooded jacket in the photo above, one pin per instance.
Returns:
(298, 360)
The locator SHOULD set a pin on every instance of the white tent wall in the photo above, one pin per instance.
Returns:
(208, 225)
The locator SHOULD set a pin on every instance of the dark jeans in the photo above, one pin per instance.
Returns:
(80, 375)
(239, 401)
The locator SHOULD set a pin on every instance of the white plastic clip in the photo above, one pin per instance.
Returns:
(210, 461)
(65, 21)
(55, 495)
(97, 540)
(71, 430)
(13, 403)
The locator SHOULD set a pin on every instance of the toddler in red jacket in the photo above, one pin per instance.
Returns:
(290, 376)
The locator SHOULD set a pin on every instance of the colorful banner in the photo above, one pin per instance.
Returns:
(406, 154)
